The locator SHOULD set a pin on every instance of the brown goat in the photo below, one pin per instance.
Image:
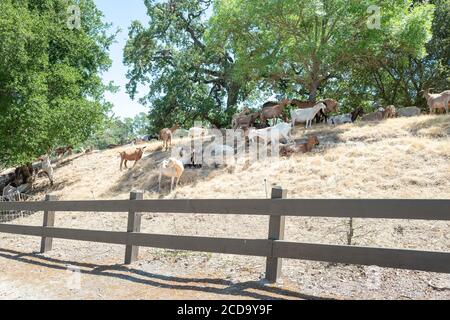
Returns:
(381, 114)
(166, 135)
(246, 121)
(287, 151)
(245, 112)
(274, 112)
(24, 175)
(131, 155)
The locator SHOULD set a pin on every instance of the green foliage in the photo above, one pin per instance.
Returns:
(200, 59)
(116, 131)
(301, 46)
(188, 78)
(51, 92)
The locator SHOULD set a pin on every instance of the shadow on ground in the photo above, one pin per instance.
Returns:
(125, 273)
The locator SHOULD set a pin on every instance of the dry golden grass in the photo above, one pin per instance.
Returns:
(397, 158)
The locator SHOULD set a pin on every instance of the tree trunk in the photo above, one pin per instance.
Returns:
(315, 82)
(313, 91)
(233, 95)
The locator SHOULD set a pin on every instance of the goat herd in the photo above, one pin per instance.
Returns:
(253, 125)
(303, 112)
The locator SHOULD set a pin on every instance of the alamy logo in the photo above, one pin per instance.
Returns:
(374, 20)
(74, 17)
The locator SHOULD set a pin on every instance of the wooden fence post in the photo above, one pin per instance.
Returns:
(134, 225)
(276, 232)
(49, 221)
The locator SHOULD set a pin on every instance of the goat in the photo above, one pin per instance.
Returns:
(346, 118)
(380, 114)
(390, 112)
(23, 175)
(246, 121)
(281, 130)
(274, 112)
(246, 111)
(358, 112)
(331, 104)
(437, 101)
(171, 168)
(340, 119)
(131, 155)
(287, 151)
(46, 167)
(166, 135)
(408, 112)
(306, 115)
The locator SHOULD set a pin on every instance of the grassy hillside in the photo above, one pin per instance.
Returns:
(397, 158)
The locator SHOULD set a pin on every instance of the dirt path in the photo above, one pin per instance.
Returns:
(34, 276)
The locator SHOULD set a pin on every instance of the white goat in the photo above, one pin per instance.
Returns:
(307, 115)
(275, 133)
(437, 101)
(171, 168)
(340, 119)
(46, 167)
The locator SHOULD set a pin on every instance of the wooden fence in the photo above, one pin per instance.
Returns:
(274, 248)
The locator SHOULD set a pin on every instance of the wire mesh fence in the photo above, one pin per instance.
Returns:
(13, 195)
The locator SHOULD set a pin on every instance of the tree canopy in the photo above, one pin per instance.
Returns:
(201, 59)
(188, 79)
(51, 91)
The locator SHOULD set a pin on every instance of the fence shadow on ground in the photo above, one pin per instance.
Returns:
(121, 272)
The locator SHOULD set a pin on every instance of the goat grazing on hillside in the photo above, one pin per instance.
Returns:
(274, 134)
(131, 155)
(380, 114)
(331, 104)
(437, 101)
(287, 151)
(274, 112)
(23, 175)
(346, 118)
(307, 115)
(166, 136)
(46, 168)
(245, 112)
(246, 121)
(171, 168)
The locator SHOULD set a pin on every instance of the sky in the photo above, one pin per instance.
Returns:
(120, 13)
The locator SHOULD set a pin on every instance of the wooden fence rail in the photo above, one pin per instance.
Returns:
(274, 248)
